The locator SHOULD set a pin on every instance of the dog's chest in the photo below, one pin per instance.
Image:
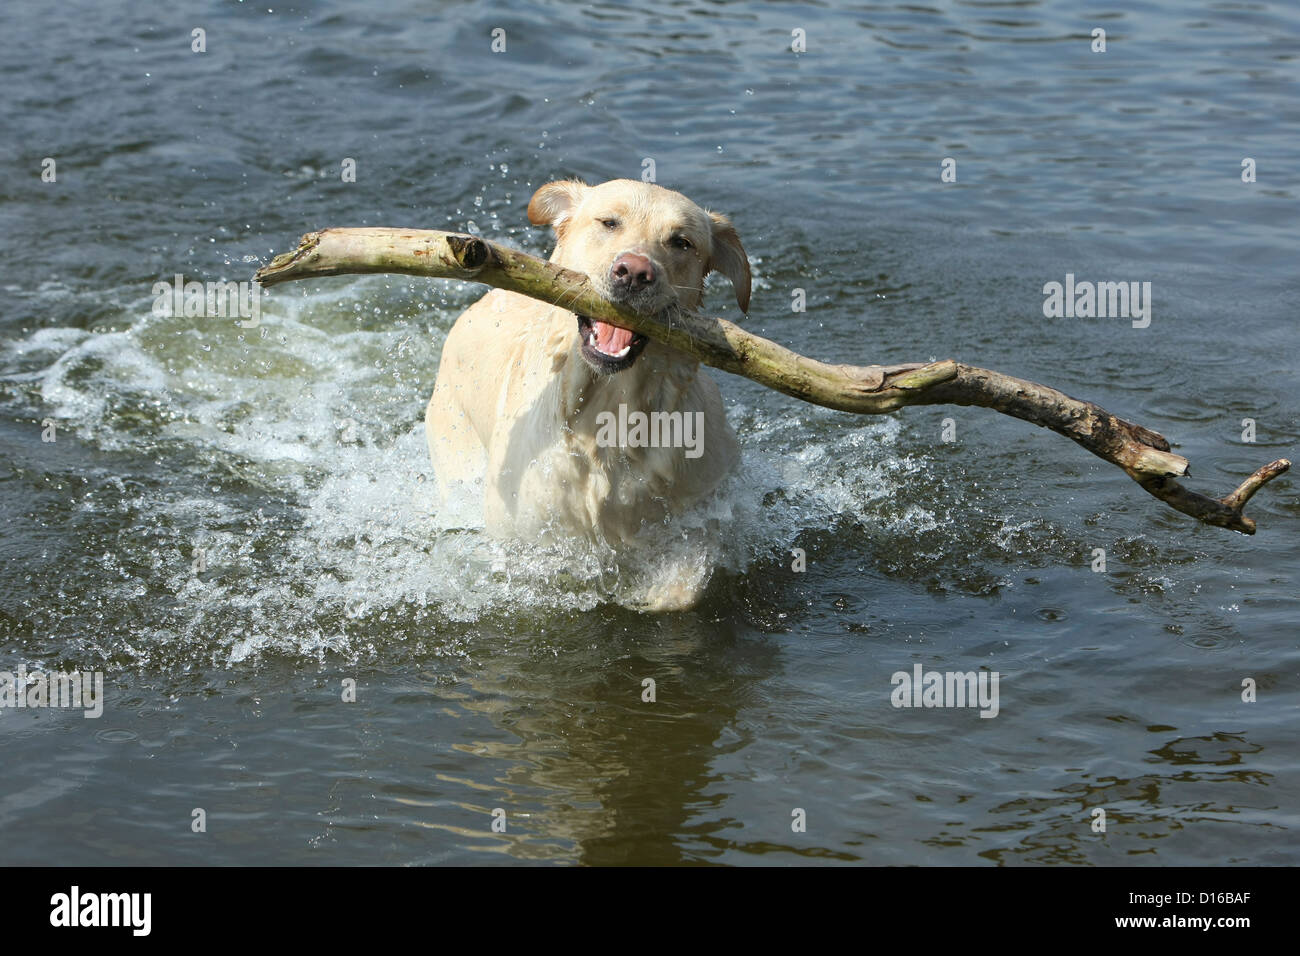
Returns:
(604, 464)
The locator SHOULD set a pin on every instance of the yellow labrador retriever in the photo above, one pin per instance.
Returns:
(568, 426)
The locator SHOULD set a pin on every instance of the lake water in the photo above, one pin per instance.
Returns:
(231, 523)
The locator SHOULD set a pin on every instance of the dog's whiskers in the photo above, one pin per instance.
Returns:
(575, 288)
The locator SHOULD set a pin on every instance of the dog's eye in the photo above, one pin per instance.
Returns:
(680, 242)
(609, 223)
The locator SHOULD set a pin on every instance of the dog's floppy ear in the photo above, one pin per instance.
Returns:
(554, 203)
(729, 258)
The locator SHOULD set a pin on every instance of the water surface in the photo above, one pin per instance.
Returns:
(497, 676)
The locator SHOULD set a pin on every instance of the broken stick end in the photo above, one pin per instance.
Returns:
(279, 269)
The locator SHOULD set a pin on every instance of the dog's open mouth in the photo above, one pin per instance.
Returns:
(609, 348)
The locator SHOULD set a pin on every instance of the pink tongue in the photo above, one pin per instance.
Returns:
(610, 339)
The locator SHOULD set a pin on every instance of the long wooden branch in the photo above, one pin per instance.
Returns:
(873, 389)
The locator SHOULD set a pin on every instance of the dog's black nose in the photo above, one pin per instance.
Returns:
(633, 272)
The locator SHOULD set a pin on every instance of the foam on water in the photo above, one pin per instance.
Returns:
(294, 459)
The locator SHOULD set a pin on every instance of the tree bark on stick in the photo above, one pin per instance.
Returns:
(873, 389)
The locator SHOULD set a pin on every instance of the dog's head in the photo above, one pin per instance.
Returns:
(642, 246)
